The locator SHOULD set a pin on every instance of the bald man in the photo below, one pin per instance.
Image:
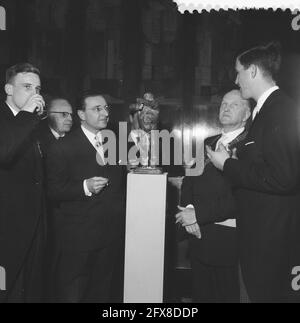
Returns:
(208, 212)
(58, 123)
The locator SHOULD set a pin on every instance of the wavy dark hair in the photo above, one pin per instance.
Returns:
(267, 57)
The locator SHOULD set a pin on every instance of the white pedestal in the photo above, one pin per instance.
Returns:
(145, 238)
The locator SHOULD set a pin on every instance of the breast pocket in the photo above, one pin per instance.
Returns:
(251, 151)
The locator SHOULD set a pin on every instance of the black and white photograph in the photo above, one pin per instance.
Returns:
(149, 154)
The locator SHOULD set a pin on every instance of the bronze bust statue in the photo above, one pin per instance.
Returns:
(144, 117)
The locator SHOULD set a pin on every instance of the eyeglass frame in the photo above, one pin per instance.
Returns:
(63, 113)
(99, 109)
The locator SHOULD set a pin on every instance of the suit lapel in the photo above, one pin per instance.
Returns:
(92, 155)
(84, 142)
(264, 110)
(212, 142)
(238, 139)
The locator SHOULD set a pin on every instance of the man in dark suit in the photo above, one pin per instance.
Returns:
(58, 123)
(21, 192)
(209, 213)
(267, 177)
(91, 196)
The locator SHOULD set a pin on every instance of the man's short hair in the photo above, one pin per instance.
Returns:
(267, 57)
(51, 99)
(81, 104)
(12, 71)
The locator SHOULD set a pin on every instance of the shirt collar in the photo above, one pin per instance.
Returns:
(264, 97)
(55, 133)
(15, 112)
(231, 135)
(90, 135)
(228, 137)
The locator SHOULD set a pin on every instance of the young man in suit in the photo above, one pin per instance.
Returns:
(210, 211)
(91, 197)
(22, 210)
(266, 174)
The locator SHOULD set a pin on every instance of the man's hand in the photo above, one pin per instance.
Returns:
(96, 184)
(219, 157)
(187, 216)
(35, 103)
(234, 154)
(194, 229)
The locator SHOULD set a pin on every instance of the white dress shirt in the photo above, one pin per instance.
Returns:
(96, 141)
(262, 100)
(228, 137)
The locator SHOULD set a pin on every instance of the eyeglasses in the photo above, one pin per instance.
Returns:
(64, 114)
(100, 109)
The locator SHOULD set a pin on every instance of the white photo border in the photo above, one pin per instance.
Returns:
(208, 5)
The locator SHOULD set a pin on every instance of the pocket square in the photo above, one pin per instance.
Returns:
(250, 143)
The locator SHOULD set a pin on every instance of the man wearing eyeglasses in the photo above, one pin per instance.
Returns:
(91, 208)
(60, 117)
(58, 123)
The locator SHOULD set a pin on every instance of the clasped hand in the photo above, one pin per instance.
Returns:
(187, 218)
(219, 157)
(96, 184)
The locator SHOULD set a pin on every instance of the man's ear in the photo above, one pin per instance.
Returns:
(81, 115)
(253, 70)
(8, 89)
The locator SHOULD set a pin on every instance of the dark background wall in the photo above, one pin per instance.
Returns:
(125, 47)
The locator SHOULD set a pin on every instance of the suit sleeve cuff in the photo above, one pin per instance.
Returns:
(190, 206)
(86, 190)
